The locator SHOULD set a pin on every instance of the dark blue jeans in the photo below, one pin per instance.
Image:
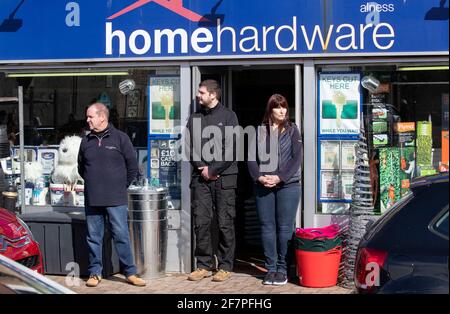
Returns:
(276, 209)
(117, 217)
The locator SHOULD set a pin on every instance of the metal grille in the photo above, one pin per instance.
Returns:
(30, 261)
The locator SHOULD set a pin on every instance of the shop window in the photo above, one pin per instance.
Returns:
(55, 107)
(405, 116)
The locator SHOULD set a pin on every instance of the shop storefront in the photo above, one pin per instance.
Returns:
(339, 63)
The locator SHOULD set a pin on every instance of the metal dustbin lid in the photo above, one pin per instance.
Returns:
(146, 193)
(138, 189)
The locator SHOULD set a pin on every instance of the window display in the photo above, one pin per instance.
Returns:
(402, 130)
(401, 123)
(54, 108)
(405, 115)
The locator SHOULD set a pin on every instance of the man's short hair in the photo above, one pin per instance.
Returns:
(212, 86)
(101, 108)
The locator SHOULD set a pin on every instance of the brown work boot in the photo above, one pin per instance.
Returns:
(93, 280)
(136, 281)
(221, 275)
(199, 274)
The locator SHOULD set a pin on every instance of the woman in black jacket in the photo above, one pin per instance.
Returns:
(276, 174)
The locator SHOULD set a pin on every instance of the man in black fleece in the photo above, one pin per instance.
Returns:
(107, 163)
(213, 185)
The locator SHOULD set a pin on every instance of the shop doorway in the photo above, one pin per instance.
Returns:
(246, 90)
(251, 89)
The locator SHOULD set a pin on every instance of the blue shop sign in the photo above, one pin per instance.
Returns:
(177, 29)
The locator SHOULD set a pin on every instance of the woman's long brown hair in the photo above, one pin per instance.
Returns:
(276, 101)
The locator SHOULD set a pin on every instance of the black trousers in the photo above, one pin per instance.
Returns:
(214, 199)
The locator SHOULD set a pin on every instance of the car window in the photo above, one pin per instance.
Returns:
(16, 278)
(373, 228)
(435, 196)
(11, 284)
(440, 224)
(410, 209)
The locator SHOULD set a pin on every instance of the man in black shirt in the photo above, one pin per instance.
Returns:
(214, 180)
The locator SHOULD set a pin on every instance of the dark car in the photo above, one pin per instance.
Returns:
(406, 250)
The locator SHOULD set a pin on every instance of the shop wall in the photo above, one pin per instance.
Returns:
(104, 30)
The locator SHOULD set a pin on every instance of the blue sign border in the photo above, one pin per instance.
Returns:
(107, 31)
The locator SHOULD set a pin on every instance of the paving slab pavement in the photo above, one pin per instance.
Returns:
(239, 283)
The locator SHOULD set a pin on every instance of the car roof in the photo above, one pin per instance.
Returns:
(427, 180)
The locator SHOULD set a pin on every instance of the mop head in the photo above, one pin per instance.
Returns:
(66, 171)
(33, 171)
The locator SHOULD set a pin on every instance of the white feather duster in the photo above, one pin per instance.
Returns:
(33, 171)
(66, 171)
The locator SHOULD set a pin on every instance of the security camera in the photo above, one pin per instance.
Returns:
(125, 87)
(370, 83)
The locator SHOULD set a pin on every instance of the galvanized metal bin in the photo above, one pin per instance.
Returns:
(148, 225)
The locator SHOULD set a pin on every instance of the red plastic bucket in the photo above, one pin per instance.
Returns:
(318, 269)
